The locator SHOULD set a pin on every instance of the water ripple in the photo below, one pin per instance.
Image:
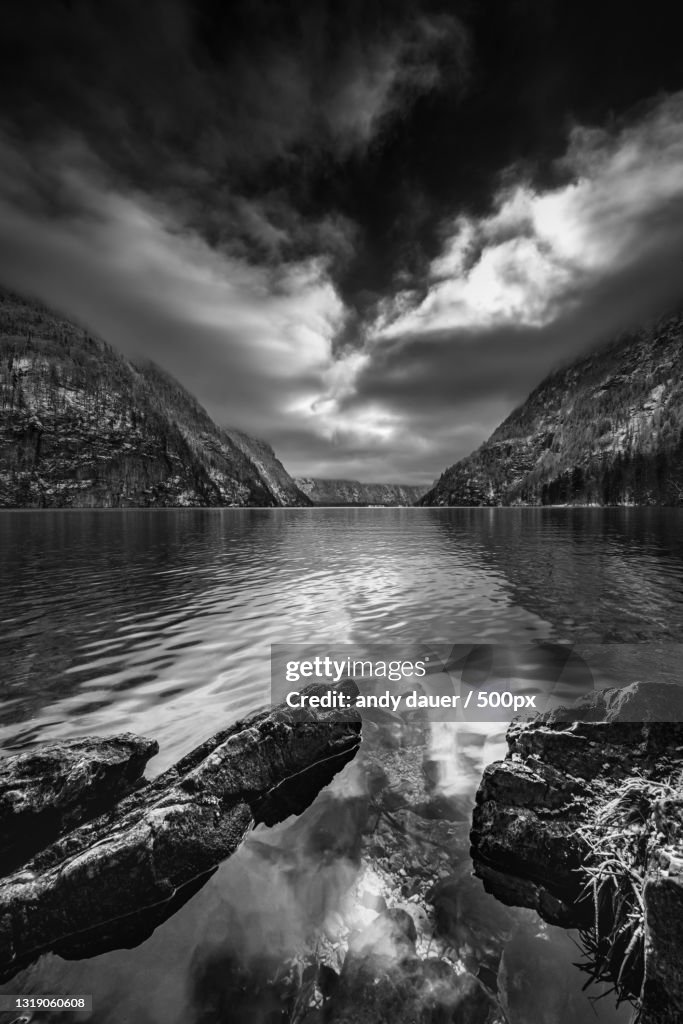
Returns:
(160, 622)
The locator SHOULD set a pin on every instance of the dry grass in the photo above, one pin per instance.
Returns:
(621, 838)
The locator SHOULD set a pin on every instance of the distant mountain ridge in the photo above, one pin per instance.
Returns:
(353, 492)
(270, 469)
(82, 426)
(606, 429)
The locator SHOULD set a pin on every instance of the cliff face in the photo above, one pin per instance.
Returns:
(605, 430)
(352, 492)
(82, 426)
(271, 470)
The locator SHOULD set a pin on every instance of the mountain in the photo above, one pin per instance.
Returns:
(271, 470)
(82, 426)
(606, 429)
(352, 492)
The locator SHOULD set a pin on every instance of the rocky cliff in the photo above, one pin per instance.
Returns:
(606, 429)
(82, 426)
(353, 492)
(271, 470)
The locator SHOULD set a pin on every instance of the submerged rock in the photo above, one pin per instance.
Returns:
(379, 869)
(546, 994)
(582, 822)
(112, 879)
(383, 981)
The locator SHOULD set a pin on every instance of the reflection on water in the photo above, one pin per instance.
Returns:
(160, 623)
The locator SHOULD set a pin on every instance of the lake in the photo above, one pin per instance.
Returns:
(160, 622)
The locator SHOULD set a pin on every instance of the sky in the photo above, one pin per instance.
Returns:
(362, 230)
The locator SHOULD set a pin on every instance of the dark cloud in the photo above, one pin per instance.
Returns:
(232, 113)
(267, 123)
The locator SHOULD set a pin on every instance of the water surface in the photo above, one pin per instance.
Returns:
(159, 622)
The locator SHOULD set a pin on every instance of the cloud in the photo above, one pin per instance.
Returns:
(535, 254)
(381, 77)
(253, 342)
(241, 334)
(230, 116)
(220, 201)
(541, 278)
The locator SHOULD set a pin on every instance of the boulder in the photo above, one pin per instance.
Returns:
(608, 765)
(110, 880)
(47, 790)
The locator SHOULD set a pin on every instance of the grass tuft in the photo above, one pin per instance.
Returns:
(621, 837)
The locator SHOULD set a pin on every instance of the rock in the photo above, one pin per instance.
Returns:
(471, 923)
(405, 830)
(361, 865)
(105, 882)
(384, 982)
(225, 989)
(391, 934)
(374, 938)
(45, 791)
(663, 899)
(560, 766)
(541, 814)
(524, 849)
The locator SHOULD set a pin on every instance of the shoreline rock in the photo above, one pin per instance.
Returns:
(591, 796)
(45, 791)
(112, 879)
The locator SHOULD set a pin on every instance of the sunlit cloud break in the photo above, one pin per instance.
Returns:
(530, 258)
